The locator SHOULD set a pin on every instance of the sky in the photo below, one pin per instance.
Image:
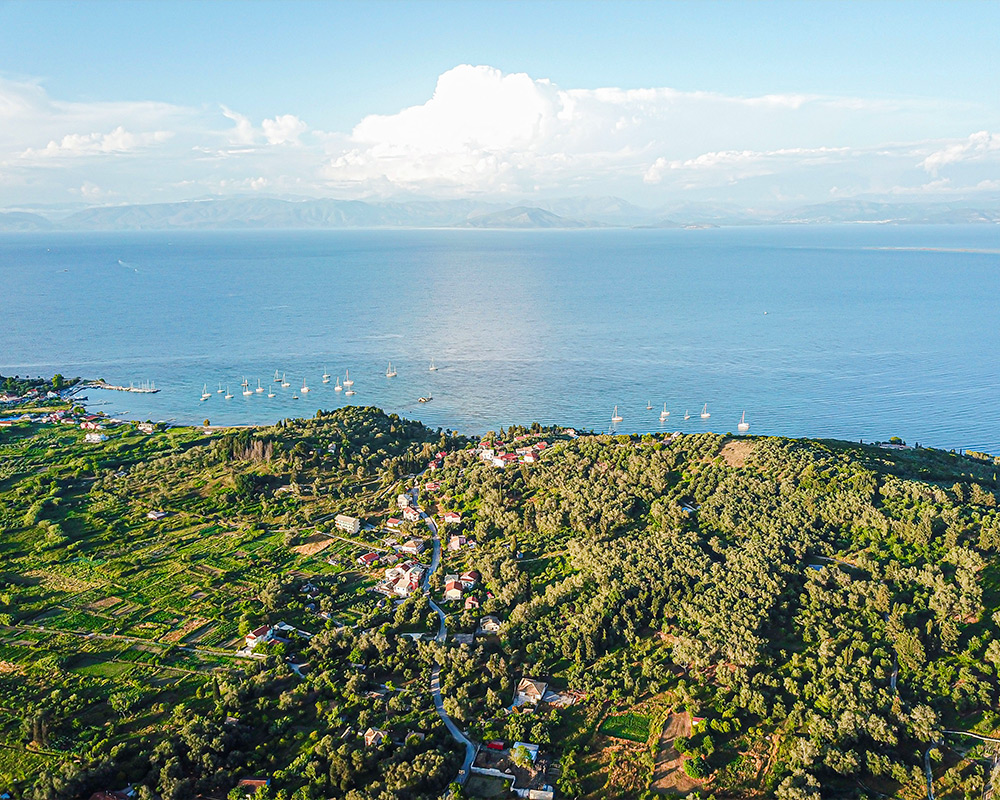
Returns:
(756, 103)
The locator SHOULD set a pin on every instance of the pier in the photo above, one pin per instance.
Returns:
(146, 388)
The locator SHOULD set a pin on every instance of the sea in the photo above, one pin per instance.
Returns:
(857, 332)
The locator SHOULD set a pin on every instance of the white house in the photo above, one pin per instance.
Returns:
(347, 524)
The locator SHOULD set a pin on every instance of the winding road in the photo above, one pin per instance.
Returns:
(456, 733)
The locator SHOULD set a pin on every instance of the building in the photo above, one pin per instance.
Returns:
(432, 486)
(368, 559)
(347, 524)
(374, 737)
(451, 517)
(146, 427)
(469, 579)
(413, 547)
(490, 624)
(471, 602)
(258, 635)
(154, 515)
(403, 500)
(410, 514)
(393, 522)
(456, 542)
(95, 438)
(452, 588)
(529, 692)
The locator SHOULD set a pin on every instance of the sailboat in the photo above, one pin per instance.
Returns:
(432, 368)
(687, 414)
(338, 387)
(284, 382)
(270, 392)
(326, 376)
(390, 372)
(276, 378)
(349, 392)
(744, 425)
(259, 388)
(304, 389)
(664, 414)
(229, 394)
(704, 412)
(220, 389)
(616, 417)
(205, 394)
(245, 383)
(347, 380)
(247, 391)
(426, 398)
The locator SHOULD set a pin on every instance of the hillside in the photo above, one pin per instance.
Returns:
(741, 617)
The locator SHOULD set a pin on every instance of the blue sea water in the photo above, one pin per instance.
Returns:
(843, 331)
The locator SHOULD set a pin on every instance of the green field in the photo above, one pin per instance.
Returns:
(633, 727)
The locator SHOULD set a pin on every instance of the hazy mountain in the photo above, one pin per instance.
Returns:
(525, 217)
(23, 221)
(262, 213)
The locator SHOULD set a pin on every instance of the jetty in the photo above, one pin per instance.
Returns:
(147, 387)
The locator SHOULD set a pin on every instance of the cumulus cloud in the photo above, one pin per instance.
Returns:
(978, 146)
(118, 140)
(285, 129)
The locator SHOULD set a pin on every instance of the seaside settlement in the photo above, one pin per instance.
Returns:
(356, 606)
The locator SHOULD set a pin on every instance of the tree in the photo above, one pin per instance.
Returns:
(521, 756)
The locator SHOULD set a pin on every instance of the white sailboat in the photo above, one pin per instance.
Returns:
(615, 416)
(704, 412)
(664, 414)
(247, 391)
(220, 389)
(229, 394)
(205, 394)
(284, 382)
(245, 383)
(259, 388)
(304, 389)
(432, 368)
(326, 376)
(347, 380)
(687, 414)
(338, 387)
(349, 392)
(389, 371)
(276, 378)
(744, 425)
(270, 392)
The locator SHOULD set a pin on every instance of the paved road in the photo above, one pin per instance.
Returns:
(442, 634)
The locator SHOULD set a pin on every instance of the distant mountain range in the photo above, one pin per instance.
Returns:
(263, 213)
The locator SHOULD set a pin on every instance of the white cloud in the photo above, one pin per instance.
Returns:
(978, 146)
(118, 140)
(243, 132)
(285, 129)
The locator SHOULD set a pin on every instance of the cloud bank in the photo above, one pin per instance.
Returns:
(484, 133)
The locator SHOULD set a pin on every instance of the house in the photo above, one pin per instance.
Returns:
(347, 524)
(413, 547)
(146, 427)
(403, 500)
(154, 515)
(374, 737)
(456, 542)
(253, 785)
(258, 635)
(490, 624)
(471, 602)
(530, 458)
(432, 486)
(393, 522)
(368, 559)
(497, 462)
(451, 517)
(469, 579)
(452, 588)
(95, 438)
(410, 514)
(529, 692)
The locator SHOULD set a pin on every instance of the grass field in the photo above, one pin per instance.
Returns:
(633, 727)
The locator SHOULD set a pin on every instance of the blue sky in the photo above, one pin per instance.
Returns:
(108, 102)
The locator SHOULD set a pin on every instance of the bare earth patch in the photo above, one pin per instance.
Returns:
(735, 452)
(313, 545)
(188, 627)
(8, 667)
(669, 775)
(102, 605)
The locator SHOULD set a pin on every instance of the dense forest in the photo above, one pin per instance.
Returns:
(731, 616)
